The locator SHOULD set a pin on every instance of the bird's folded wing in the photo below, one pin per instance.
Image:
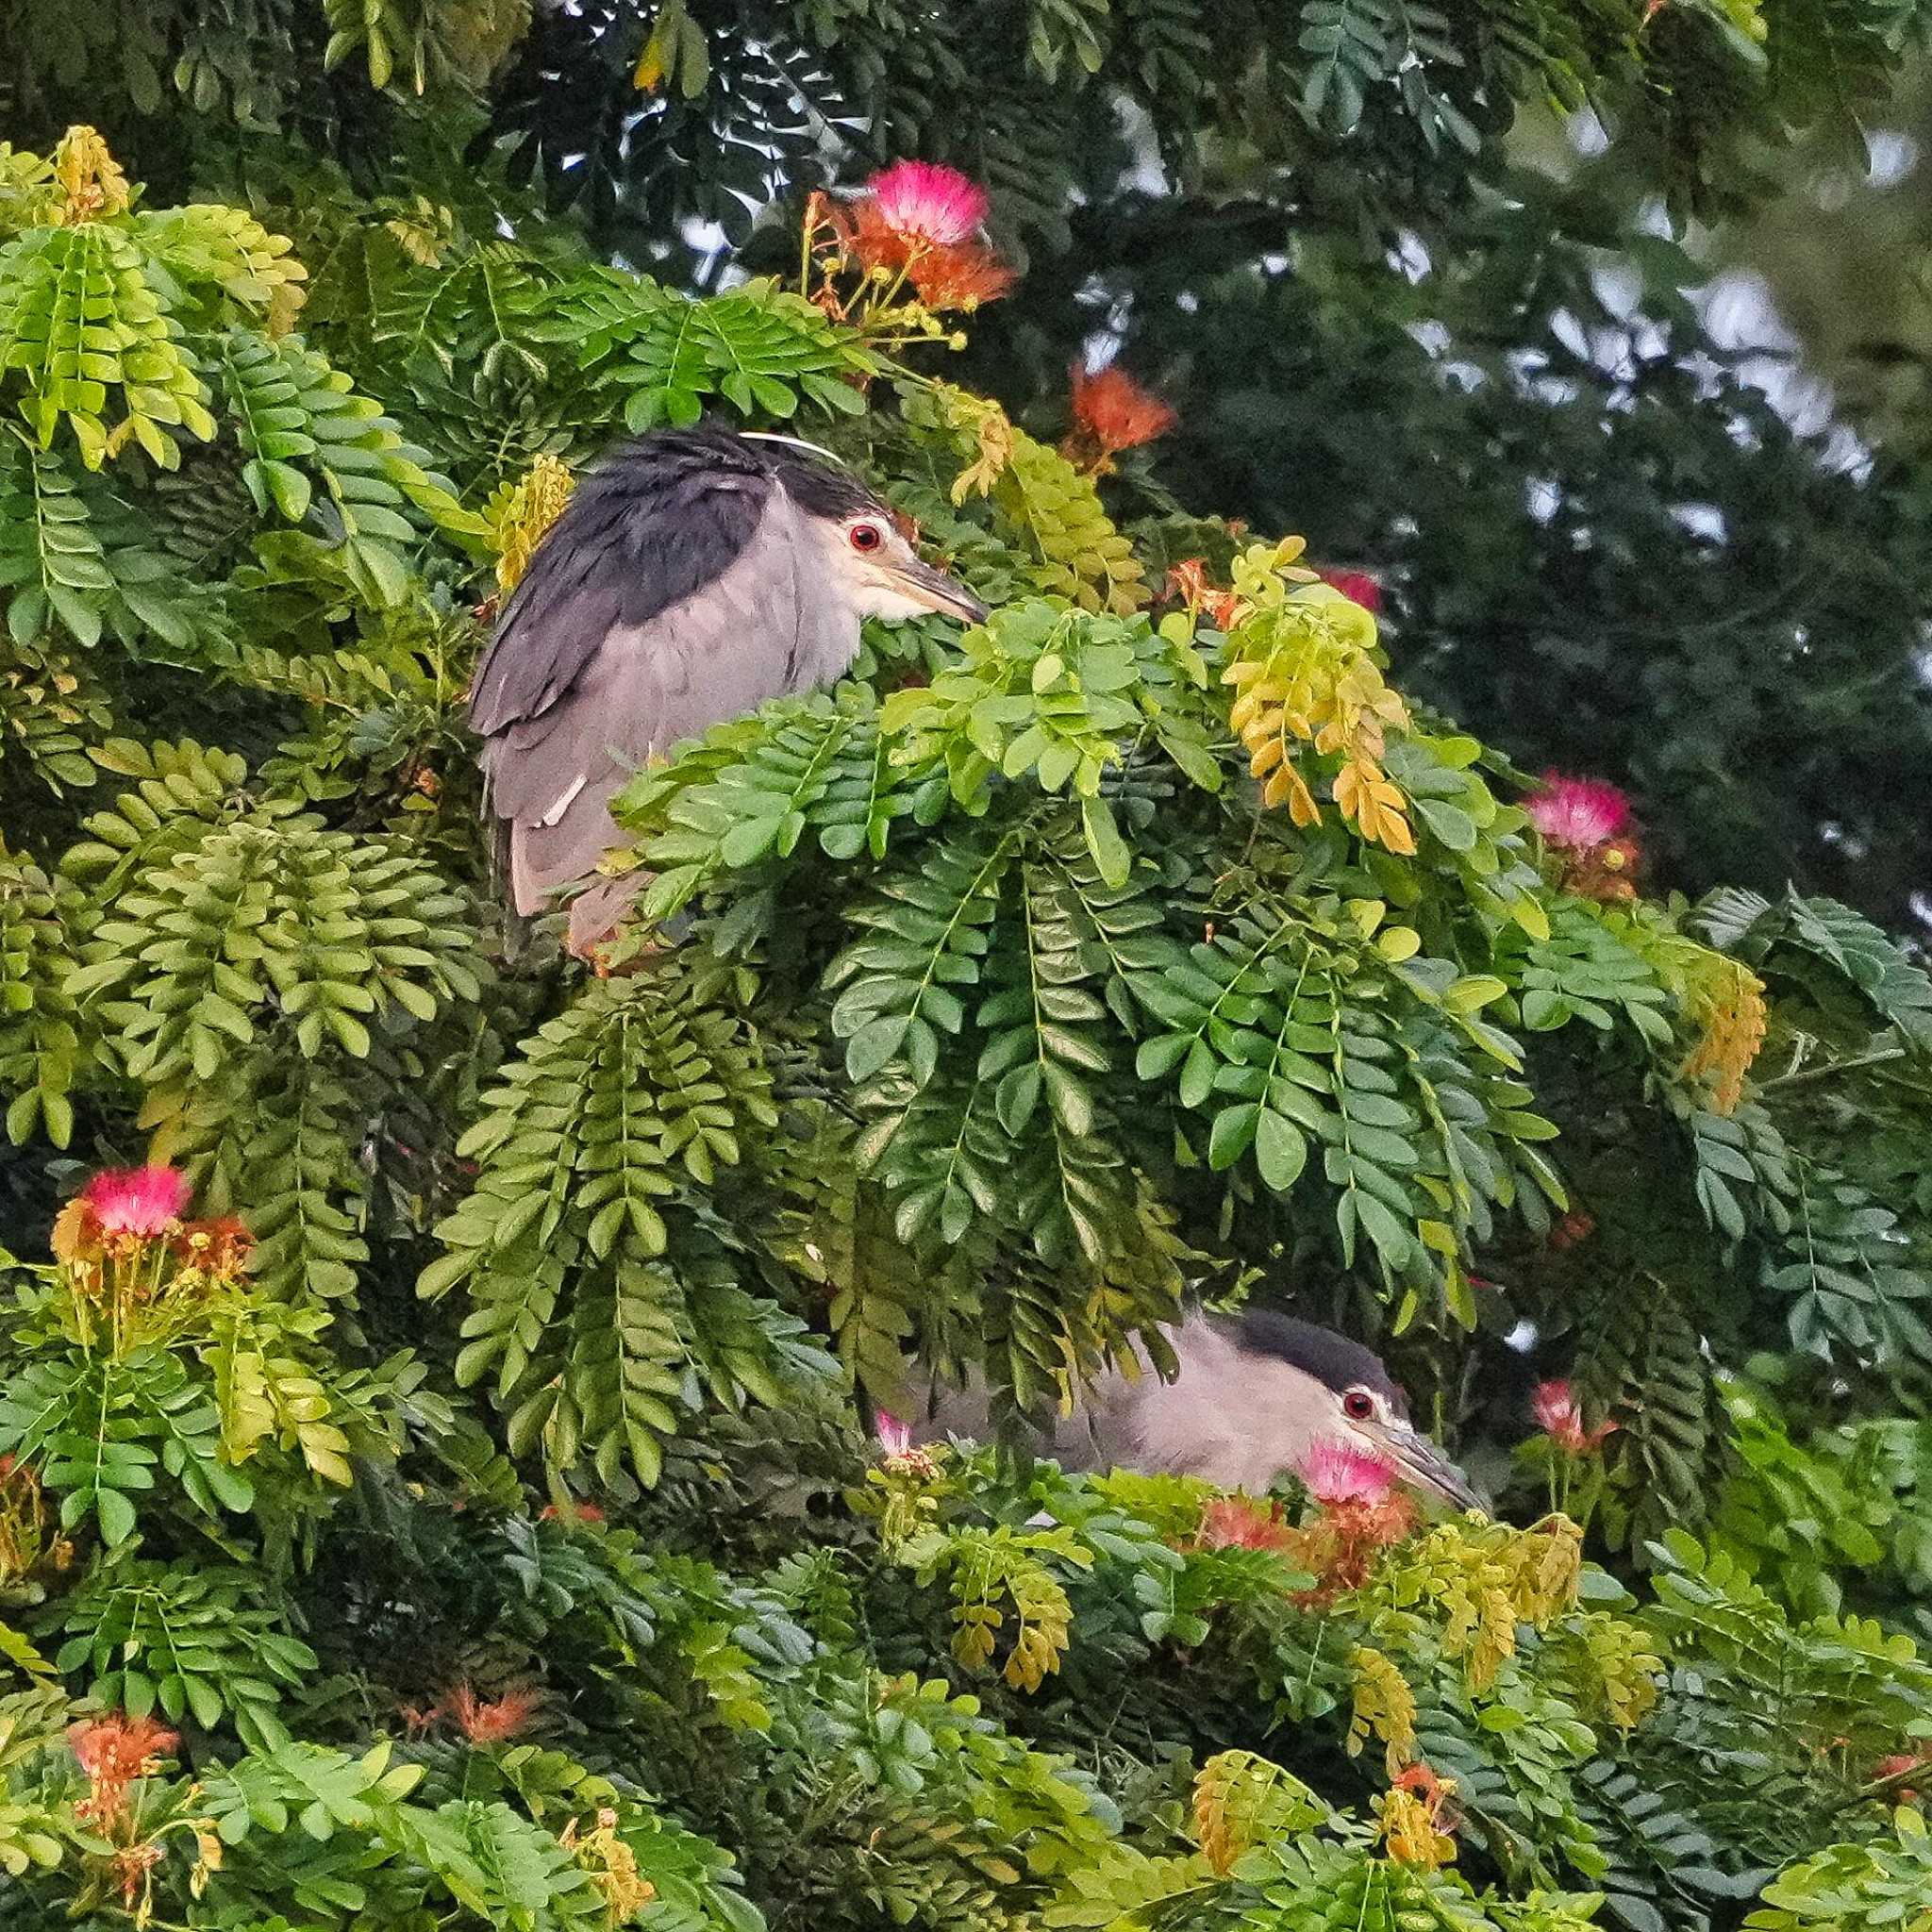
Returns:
(635, 541)
(757, 631)
(1098, 1435)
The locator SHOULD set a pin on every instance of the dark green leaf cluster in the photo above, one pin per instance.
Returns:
(600, 1277)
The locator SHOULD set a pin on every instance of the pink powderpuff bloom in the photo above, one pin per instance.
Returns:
(1559, 1415)
(142, 1201)
(1357, 586)
(1339, 1473)
(928, 201)
(899, 1455)
(1579, 813)
(114, 1751)
(487, 1721)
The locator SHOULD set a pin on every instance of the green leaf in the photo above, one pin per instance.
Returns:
(1234, 1132)
(116, 1515)
(874, 1045)
(1104, 841)
(1197, 1074)
(1280, 1151)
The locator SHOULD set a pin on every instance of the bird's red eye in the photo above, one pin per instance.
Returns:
(1358, 1405)
(867, 536)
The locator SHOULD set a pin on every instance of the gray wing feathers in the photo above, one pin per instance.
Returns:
(1099, 1435)
(637, 540)
(754, 633)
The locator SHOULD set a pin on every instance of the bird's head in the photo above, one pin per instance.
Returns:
(862, 547)
(1313, 1388)
(885, 577)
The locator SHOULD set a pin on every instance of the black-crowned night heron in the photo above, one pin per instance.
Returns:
(1255, 1397)
(693, 576)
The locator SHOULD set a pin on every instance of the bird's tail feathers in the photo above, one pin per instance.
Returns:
(524, 888)
(598, 911)
(533, 891)
(517, 926)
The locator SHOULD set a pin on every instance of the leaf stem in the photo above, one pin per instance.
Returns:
(1878, 1056)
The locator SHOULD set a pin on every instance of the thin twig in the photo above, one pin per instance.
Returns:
(1877, 1057)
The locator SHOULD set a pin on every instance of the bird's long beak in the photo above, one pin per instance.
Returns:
(1419, 1461)
(933, 589)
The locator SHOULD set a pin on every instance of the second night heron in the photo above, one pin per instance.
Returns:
(1254, 1397)
(693, 576)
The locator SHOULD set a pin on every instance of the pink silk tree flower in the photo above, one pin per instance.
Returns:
(1357, 586)
(1339, 1473)
(1579, 813)
(1240, 1522)
(143, 1201)
(1559, 1415)
(1114, 411)
(928, 201)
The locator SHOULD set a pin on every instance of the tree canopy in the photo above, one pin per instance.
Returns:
(1724, 617)
(441, 1483)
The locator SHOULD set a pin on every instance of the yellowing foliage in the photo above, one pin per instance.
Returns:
(1544, 1564)
(1728, 999)
(1407, 1821)
(613, 1867)
(987, 1567)
(902, 1496)
(91, 179)
(993, 434)
(1629, 1669)
(1302, 660)
(1081, 556)
(1482, 1581)
(1084, 557)
(1384, 1707)
(252, 265)
(988, 1571)
(518, 517)
(1242, 1800)
(423, 230)
(1717, 993)
(674, 50)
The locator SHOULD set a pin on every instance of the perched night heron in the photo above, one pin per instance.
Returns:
(694, 575)
(1254, 1397)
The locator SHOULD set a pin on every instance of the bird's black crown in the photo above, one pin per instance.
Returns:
(1333, 1359)
(819, 487)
